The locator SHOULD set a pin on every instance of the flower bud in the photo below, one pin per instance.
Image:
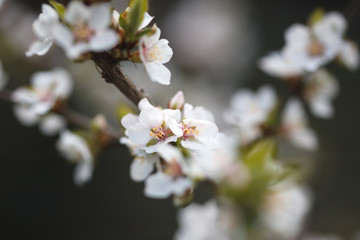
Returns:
(177, 101)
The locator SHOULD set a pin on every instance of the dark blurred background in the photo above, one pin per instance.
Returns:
(39, 200)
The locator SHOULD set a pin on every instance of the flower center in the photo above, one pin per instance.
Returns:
(189, 131)
(155, 53)
(83, 33)
(160, 133)
(315, 48)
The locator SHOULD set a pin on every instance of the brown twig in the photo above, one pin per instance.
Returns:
(111, 73)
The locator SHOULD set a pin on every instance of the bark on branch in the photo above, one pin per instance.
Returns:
(111, 73)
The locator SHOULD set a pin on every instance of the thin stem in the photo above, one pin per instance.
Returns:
(111, 73)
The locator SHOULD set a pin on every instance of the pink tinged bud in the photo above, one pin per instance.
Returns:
(177, 101)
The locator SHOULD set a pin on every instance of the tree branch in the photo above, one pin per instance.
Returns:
(111, 73)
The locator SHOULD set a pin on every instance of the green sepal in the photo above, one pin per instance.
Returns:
(123, 23)
(136, 15)
(60, 9)
(316, 16)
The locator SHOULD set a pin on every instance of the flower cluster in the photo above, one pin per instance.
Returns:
(307, 48)
(37, 103)
(82, 30)
(171, 139)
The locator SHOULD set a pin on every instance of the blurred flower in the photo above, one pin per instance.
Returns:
(295, 126)
(43, 28)
(284, 211)
(349, 55)
(154, 53)
(172, 179)
(201, 222)
(249, 110)
(87, 29)
(52, 124)
(276, 65)
(76, 150)
(320, 90)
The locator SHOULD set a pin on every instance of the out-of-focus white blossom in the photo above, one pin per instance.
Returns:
(43, 28)
(349, 55)
(146, 20)
(295, 126)
(320, 90)
(284, 210)
(172, 180)
(152, 124)
(177, 101)
(276, 65)
(154, 52)
(76, 150)
(52, 124)
(201, 222)
(248, 110)
(87, 29)
(46, 89)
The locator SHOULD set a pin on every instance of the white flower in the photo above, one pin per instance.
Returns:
(3, 77)
(201, 222)
(349, 55)
(277, 65)
(43, 28)
(143, 164)
(320, 90)
(89, 29)
(177, 101)
(284, 211)
(46, 89)
(198, 128)
(154, 53)
(52, 124)
(248, 110)
(295, 126)
(172, 180)
(153, 126)
(313, 47)
(76, 150)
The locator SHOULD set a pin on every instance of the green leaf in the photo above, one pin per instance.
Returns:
(136, 14)
(60, 9)
(260, 153)
(316, 16)
(123, 23)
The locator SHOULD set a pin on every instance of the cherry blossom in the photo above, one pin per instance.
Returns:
(295, 126)
(349, 55)
(279, 215)
(88, 29)
(320, 90)
(43, 28)
(153, 126)
(200, 222)
(154, 52)
(249, 110)
(76, 150)
(177, 101)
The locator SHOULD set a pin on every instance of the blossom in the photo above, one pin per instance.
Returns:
(76, 150)
(153, 126)
(154, 52)
(202, 222)
(88, 29)
(275, 64)
(279, 215)
(349, 55)
(52, 124)
(172, 180)
(43, 28)
(248, 110)
(312, 47)
(198, 128)
(321, 88)
(46, 89)
(295, 126)
(177, 101)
